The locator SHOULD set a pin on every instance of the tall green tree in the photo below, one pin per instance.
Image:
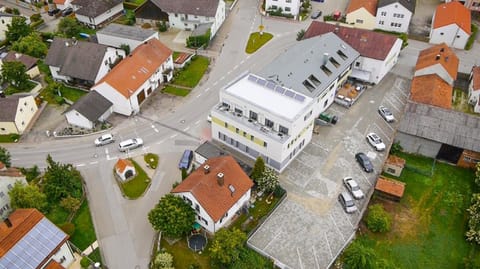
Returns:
(5, 156)
(70, 204)
(27, 196)
(69, 27)
(358, 256)
(61, 181)
(17, 29)
(227, 246)
(15, 74)
(173, 216)
(258, 169)
(32, 45)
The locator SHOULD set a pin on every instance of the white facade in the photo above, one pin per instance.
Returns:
(75, 118)
(4, 22)
(105, 16)
(117, 41)
(6, 184)
(361, 18)
(204, 219)
(373, 70)
(435, 69)
(288, 6)
(64, 255)
(393, 17)
(258, 121)
(25, 111)
(474, 93)
(452, 35)
(189, 22)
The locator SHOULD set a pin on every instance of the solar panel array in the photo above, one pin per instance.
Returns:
(277, 88)
(34, 247)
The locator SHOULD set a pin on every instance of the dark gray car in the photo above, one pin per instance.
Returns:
(316, 14)
(364, 162)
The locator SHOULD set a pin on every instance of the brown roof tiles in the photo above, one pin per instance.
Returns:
(122, 164)
(453, 13)
(431, 90)
(395, 160)
(368, 5)
(476, 78)
(439, 54)
(390, 186)
(22, 220)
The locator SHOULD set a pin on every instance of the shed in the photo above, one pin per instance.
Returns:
(390, 189)
(125, 169)
(394, 165)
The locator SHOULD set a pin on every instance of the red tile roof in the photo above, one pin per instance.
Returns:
(182, 57)
(390, 186)
(431, 90)
(368, 43)
(216, 199)
(52, 264)
(453, 13)
(122, 164)
(439, 54)
(59, 2)
(22, 220)
(127, 76)
(476, 78)
(368, 5)
(10, 172)
(395, 160)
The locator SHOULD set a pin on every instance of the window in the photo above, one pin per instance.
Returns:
(23, 123)
(9, 186)
(197, 208)
(226, 125)
(357, 64)
(283, 130)
(253, 116)
(458, 36)
(21, 109)
(288, 8)
(325, 103)
(252, 137)
(265, 144)
(274, 6)
(2, 194)
(238, 111)
(237, 130)
(268, 123)
(383, 13)
(341, 54)
(359, 21)
(381, 22)
(244, 134)
(390, 170)
(441, 33)
(2, 129)
(176, 15)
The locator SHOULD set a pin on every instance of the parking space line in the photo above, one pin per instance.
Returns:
(95, 162)
(80, 165)
(222, 78)
(172, 136)
(198, 95)
(336, 226)
(197, 122)
(328, 243)
(207, 89)
(299, 258)
(235, 67)
(186, 129)
(161, 141)
(385, 135)
(366, 179)
(315, 258)
(214, 84)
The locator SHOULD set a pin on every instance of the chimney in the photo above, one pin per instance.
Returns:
(325, 58)
(206, 169)
(437, 57)
(8, 223)
(220, 179)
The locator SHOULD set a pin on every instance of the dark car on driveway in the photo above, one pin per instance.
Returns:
(364, 162)
(52, 12)
(67, 11)
(186, 159)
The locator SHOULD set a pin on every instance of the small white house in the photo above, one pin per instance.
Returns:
(136, 77)
(16, 113)
(89, 110)
(5, 20)
(8, 178)
(361, 13)
(95, 13)
(62, 4)
(125, 169)
(291, 7)
(116, 35)
(395, 15)
(474, 89)
(451, 25)
(217, 190)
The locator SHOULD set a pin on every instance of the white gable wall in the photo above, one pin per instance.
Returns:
(64, 255)
(25, 111)
(110, 56)
(389, 18)
(435, 69)
(93, 22)
(288, 6)
(451, 34)
(4, 22)
(121, 104)
(361, 18)
(75, 118)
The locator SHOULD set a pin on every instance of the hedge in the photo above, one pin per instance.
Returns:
(472, 37)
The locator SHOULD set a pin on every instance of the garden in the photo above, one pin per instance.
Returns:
(188, 77)
(426, 229)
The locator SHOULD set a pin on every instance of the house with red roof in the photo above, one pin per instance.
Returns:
(28, 240)
(378, 51)
(474, 89)
(125, 169)
(451, 25)
(217, 190)
(62, 4)
(395, 15)
(137, 76)
(361, 13)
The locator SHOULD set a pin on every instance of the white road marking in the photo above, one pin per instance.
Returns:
(198, 95)
(95, 162)
(197, 122)
(112, 158)
(80, 165)
(242, 61)
(235, 67)
(214, 84)
(172, 136)
(161, 141)
(222, 78)
(336, 226)
(186, 129)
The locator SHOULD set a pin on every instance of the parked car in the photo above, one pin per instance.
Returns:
(52, 12)
(104, 140)
(376, 142)
(386, 114)
(130, 144)
(316, 14)
(67, 11)
(353, 187)
(347, 202)
(186, 159)
(209, 118)
(364, 162)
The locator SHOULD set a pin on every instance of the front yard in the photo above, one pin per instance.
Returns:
(429, 223)
(192, 73)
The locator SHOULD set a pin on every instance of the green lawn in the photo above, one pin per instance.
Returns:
(429, 223)
(151, 159)
(192, 73)
(96, 256)
(136, 187)
(57, 215)
(10, 138)
(183, 257)
(176, 91)
(72, 94)
(256, 41)
(84, 234)
(258, 212)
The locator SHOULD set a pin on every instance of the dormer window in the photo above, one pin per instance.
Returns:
(341, 54)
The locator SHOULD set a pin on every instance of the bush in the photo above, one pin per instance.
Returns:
(300, 34)
(68, 228)
(378, 220)
(162, 26)
(279, 191)
(84, 262)
(472, 37)
(146, 25)
(396, 148)
(35, 24)
(35, 17)
(59, 100)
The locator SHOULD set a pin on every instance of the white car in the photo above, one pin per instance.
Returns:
(353, 187)
(376, 142)
(386, 114)
(130, 144)
(104, 140)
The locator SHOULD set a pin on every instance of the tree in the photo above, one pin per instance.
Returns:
(300, 34)
(477, 174)
(258, 169)
(31, 45)
(172, 215)
(358, 256)
(227, 246)
(268, 181)
(163, 260)
(61, 181)
(15, 74)
(30, 173)
(70, 204)
(378, 219)
(473, 233)
(248, 258)
(27, 196)
(126, 48)
(17, 29)
(396, 148)
(69, 27)
(5, 156)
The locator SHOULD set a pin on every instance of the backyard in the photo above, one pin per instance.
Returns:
(429, 223)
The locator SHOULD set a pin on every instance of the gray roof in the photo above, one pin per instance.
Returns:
(300, 67)
(78, 59)
(8, 108)
(129, 32)
(408, 4)
(92, 106)
(206, 8)
(442, 125)
(94, 8)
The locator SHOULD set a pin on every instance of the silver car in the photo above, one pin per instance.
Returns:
(104, 140)
(130, 144)
(386, 114)
(353, 187)
(347, 202)
(376, 142)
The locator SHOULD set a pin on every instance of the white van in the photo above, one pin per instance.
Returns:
(130, 144)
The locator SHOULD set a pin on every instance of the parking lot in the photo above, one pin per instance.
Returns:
(310, 228)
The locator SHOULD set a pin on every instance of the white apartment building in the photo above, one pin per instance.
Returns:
(288, 6)
(395, 15)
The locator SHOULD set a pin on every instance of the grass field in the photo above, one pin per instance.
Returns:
(176, 91)
(183, 257)
(84, 232)
(191, 75)
(429, 223)
(136, 187)
(256, 41)
(72, 94)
